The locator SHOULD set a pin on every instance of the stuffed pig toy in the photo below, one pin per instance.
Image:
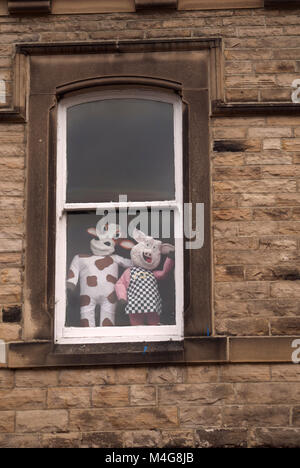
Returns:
(98, 274)
(138, 286)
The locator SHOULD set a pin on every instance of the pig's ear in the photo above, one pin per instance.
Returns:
(167, 248)
(92, 231)
(138, 236)
(126, 244)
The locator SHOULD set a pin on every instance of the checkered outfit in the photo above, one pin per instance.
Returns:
(143, 294)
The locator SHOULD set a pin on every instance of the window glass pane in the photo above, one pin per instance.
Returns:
(96, 262)
(120, 146)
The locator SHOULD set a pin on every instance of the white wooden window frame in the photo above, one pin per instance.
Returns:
(81, 335)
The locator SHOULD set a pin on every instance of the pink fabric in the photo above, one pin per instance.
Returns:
(123, 283)
(151, 318)
(168, 265)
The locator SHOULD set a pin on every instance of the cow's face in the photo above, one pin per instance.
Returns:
(106, 240)
(147, 253)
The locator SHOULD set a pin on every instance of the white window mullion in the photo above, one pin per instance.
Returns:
(178, 145)
(117, 205)
(61, 169)
(60, 276)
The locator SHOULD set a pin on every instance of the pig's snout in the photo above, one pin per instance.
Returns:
(147, 254)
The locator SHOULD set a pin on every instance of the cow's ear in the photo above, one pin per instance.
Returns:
(167, 248)
(92, 231)
(138, 236)
(126, 244)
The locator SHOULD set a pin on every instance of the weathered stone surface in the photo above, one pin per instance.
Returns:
(110, 396)
(251, 416)
(142, 395)
(201, 374)
(131, 375)
(285, 373)
(6, 378)
(102, 440)
(68, 440)
(10, 332)
(296, 416)
(177, 439)
(20, 398)
(232, 215)
(227, 133)
(277, 243)
(236, 243)
(7, 421)
(230, 309)
(278, 199)
(42, 421)
(229, 273)
(272, 144)
(166, 374)
(36, 378)
(285, 326)
(269, 132)
(195, 394)
(225, 229)
(292, 144)
(12, 189)
(253, 81)
(245, 373)
(240, 172)
(241, 95)
(199, 416)
(7, 245)
(288, 228)
(82, 377)
(19, 441)
(242, 327)
(225, 200)
(221, 438)
(10, 294)
(267, 393)
(256, 186)
(141, 438)
(242, 290)
(122, 418)
(228, 159)
(271, 273)
(64, 397)
(276, 438)
(257, 228)
(286, 289)
(11, 232)
(279, 171)
(272, 213)
(233, 68)
(269, 157)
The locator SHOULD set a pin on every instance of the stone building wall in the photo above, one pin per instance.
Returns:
(255, 174)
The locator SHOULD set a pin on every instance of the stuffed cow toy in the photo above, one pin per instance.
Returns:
(137, 289)
(97, 274)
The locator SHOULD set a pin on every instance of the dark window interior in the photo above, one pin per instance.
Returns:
(120, 146)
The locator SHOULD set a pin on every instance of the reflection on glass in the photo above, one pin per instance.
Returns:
(115, 280)
(120, 146)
